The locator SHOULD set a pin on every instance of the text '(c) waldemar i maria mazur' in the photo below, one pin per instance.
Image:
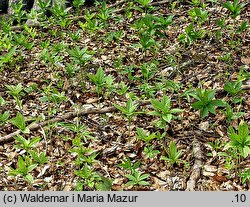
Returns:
(79, 198)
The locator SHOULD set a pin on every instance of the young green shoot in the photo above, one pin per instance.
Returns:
(173, 155)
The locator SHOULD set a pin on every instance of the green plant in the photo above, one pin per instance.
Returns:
(16, 92)
(243, 26)
(129, 110)
(19, 122)
(79, 56)
(52, 95)
(104, 13)
(245, 176)
(24, 167)
(32, 32)
(123, 88)
(191, 35)
(26, 144)
(88, 156)
(194, 2)
(241, 140)
(99, 79)
(128, 165)
(75, 35)
(103, 183)
(22, 40)
(216, 145)
(206, 102)
(173, 86)
(229, 162)
(226, 58)
(7, 58)
(78, 4)
(33, 16)
(50, 57)
(18, 12)
(40, 158)
(222, 24)
(137, 178)
(71, 69)
(173, 155)
(79, 129)
(129, 71)
(198, 15)
(234, 7)
(90, 179)
(91, 24)
(147, 42)
(45, 44)
(151, 25)
(145, 136)
(151, 152)
(4, 117)
(163, 110)
(44, 5)
(110, 85)
(148, 90)
(59, 11)
(233, 88)
(148, 70)
(2, 101)
(144, 3)
(230, 114)
(114, 36)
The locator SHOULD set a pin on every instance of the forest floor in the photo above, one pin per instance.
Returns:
(108, 100)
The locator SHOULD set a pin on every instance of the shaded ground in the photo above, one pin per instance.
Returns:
(207, 63)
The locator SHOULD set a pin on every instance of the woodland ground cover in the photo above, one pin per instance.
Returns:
(126, 96)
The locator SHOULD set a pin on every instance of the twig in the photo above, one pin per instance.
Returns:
(66, 116)
(196, 169)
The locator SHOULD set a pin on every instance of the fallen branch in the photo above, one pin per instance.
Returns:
(66, 116)
(196, 169)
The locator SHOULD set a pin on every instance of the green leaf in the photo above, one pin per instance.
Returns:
(245, 151)
(198, 105)
(204, 112)
(174, 111)
(130, 177)
(29, 178)
(14, 90)
(167, 118)
(210, 94)
(144, 176)
(21, 163)
(219, 103)
(34, 141)
(2, 101)
(4, 117)
(154, 113)
(31, 167)
(243, 130)
(19, 121)
(143, 183)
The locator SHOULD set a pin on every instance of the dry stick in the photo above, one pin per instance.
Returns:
(196, 169)
(66, 116)
(69, 115)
